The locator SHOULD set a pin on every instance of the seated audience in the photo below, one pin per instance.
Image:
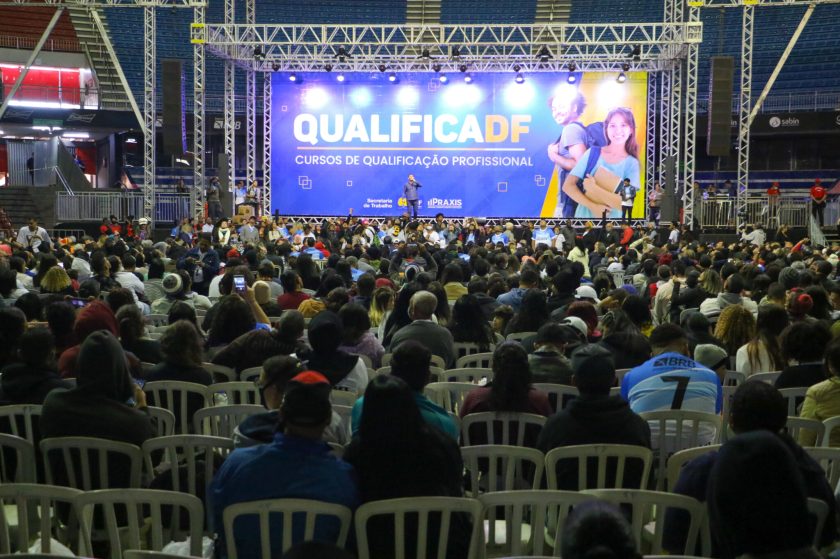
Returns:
(598, 529)
(436, 338)
(763, 354)
(292, 295)
(343, 370)
(803, 347)
(358, 339)
(34, 375)
(133, 335)
(822, 401)
(469, 324)
(732, 294)
(548, 362)
(735, 327)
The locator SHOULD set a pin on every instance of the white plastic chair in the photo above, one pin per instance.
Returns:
(679, 459)
(476, 360)
(734, 378)
(173, 395)
(818, 509)
(675, 430)
(365, 359)
(343, 397)
(604, 455)
(423, 507)
(519, 336)
(769, 378)
(526, 425)
(157, 319)
(252, 374)
(544, 509)
(22, 420)
(345, 413)
(77, 456)
(221, 421)
(795, 425)
(240, 392)
(467, 374)
(220, 373)
(186, 451)
(163, 421)
(140, 554)
(290, 510)
(644, 503)
(829, 460)
(31, 506)
(502, 468)
(470, 348)
(794, 398)
(127, 533)
(436, 360)
(449, 395)
(559, 395)
(830, 424)
(22, 454)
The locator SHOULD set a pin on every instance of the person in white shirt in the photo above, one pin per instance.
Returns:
(431, 235)
(208, 226)
(127, 279)
(32, 236)
(541, 235)
(674, 235)
(755, 235)
(19, 266)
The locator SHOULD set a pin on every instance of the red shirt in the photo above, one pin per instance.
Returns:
(773, 191)
(291, 301)
(818, 192)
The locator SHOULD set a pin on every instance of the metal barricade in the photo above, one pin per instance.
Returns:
(93, 206)
(791, 210)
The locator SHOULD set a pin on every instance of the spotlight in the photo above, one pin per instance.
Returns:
(342, 54)
(571, 78)
(275, 67)
(468, 78)
(382, 68)
(258, 53)
(455, 52)
(462, 68)
(637, 53)
(340, 77)
(625, 67)
(519, 78)
(436, 67)
(293, 77)
(426, 54)
(328, 67)
(392, 77)
(443, 79)
(572, 66)
(544, 55)
(621, 77)
(517, 67)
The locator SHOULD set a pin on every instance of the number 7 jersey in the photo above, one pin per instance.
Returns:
(672, 381)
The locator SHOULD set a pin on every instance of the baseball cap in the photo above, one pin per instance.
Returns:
(578, 324)
(172, 283)
(587, 292)
(710, 355)
(592, 357)
(306, 400)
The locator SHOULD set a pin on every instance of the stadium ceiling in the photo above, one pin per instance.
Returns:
(406, 48)
(107, 3)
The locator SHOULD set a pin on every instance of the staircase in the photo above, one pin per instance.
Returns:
(20, 207)
(111, 92)
(553, 11)
(422, 11)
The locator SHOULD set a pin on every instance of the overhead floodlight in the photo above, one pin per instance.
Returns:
(468, 78)
(637, 53)
(340, 77)
(258, 53)
(382, 68)
(392, 77)
(625, 67)
(275, 67)
(519, 78)
(436, 67)
(622, 77)
(462, 68)
(341, 54)
(426, 54)
(455, 52)
(544, 54)
(293, 77)
(443, 78)
(328, 67)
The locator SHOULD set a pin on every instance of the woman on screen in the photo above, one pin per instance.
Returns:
(613, 162)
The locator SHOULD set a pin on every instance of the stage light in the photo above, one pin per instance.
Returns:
(622, 77)
(426, 54)
(468, 78)
(571, 78)
(455, 52)
(340, 77)
(544, 55)
(316, 98)
(443, 78)
(462, 67)
(392, 77)
(342, 54)
(382, 68)
(408, 96)
(293, 77)
(625, 67)
(436, 67)
(517, 67)
(637, 53)
(519, 78)
(275, 67)
(361, 97)
(328, 67)
(258, 53)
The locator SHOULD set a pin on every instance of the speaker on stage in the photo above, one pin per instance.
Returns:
(719, 132)
(226, 195)
(174, 125)
(669, 205)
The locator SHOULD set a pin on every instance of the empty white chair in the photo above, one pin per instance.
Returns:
(290, 512)
(508, 428)
(366, 360)
(251, 374)
(345, 413)
(431, 544)
(609, 463)
(17, 460)
(734, 378)
(196, 454)
(534, 520)
(470, 348)
(163, 421)
(135, 529)
(796, 425)
(449, 395)
(221, 421)
(21, 420)
(679, 459)
(241, 392)
(468, 374)
(644, 503)
(176, 396)
(220, 373)
(86, 462)
(831, 424)
(502, 468)
(769, 378)
(476, 360)
(139, 554)
(33, 505)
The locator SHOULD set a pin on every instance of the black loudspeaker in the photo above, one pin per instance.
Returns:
(719, 132)
(226, 195)
(174, 125)
(669, 205)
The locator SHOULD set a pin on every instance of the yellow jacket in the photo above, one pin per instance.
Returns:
(822, 401)
(454, 290)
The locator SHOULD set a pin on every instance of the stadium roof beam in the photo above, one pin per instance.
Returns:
(755, 3)
(107, 3)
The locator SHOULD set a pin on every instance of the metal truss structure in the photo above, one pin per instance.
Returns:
(265, 198)
(149, 111)
(199, 92)
(650, 135)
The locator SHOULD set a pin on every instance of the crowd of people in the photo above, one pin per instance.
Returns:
(656, 315)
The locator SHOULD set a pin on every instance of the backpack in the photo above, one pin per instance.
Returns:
(595, 139)
(595, 134)
(594, 154)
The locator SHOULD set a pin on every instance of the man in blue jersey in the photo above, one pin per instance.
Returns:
(671, 380)
(542, 235)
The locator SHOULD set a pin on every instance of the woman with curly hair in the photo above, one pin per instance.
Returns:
(735, 327)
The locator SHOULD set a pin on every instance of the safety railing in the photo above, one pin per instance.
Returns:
(28, 43)
(93, 206)
(791, 210)
(794, 101)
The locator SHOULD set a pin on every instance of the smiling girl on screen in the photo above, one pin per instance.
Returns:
(617, 160)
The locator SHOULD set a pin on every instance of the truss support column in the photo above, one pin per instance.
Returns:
(265, 198)
(650, 137)
(149, 111)
(675, 127)
(229, 105)
(664, 123)
(690, 135)
(199, 172)
(31, 60)
(744, 115)
(251, 107)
